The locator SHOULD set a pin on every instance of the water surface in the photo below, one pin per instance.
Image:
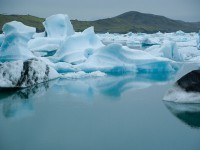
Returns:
(105, 113)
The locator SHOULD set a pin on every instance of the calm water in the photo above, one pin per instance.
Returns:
(106, 113)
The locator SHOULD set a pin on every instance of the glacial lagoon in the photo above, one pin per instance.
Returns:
(102, 113)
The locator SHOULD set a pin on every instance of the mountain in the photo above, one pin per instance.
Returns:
(128, 22)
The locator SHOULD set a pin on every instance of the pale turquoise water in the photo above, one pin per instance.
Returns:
(106, 113)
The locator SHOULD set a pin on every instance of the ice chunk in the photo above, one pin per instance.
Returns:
(63, 67)
(198, 43)
(25, 73)
(78, 47)
(116, 58)
(44, 44)
(18, 27)
(150, 41)
(168, 49)
(1, 39)
(180, 33)
(14, 47)
(58, 26)
(190, 53)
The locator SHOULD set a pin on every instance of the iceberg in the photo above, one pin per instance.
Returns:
(18, 27)
(69, 53)
(190, 54)
(58, 26)
(78, 47)
(44, 46)
(198, 43)
(180, 33)
(25, 73)
(1, 39)
(14, 46)
(168, 49)
(150, 41)
(115, 58)
(63, 67)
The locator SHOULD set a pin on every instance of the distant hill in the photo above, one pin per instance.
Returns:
(128, 22)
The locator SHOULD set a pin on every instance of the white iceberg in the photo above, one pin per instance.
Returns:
(168, 49)
(1, 39)
(58, 26)
(180, 33)
(198, 43)
(18, 27)
(14, 47)
(115, 58)
(44, 45)
(78, 47)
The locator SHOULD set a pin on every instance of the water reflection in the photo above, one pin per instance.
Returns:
(187, 113)
(113, 86)
(17, 103)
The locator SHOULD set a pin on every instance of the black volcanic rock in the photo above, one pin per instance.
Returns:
(190, 82)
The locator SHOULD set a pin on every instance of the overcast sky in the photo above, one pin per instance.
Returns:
(187, 10)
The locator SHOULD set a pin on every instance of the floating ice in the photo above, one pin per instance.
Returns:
(63, 67)
(180, 33)
(14, 46)
(58, 26)
(1, 39)
(78, 47)
(84, 54)
(18, 27)
(116, 58)
(25, 73)
(150, 41)
(168, 49)
(44, 44)
(189, 53)
(198, 43)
